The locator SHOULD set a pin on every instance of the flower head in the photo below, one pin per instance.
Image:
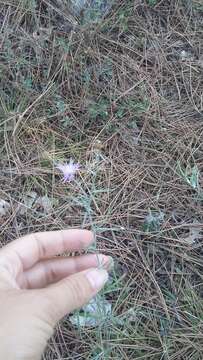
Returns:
(69, 170)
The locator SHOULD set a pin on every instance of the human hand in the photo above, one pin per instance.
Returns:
(38, 289)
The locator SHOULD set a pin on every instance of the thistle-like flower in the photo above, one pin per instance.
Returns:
(69, 170)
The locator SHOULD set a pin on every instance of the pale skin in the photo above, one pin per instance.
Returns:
(37, 288)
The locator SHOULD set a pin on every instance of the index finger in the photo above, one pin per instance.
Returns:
(23, 253)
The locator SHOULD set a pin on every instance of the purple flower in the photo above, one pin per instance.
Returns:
(69, 170)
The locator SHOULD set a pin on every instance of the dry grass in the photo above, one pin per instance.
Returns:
(124, 97)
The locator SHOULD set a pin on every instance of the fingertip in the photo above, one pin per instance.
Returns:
(78, 239)
(105, 261)
(97, 278)
(89, 237)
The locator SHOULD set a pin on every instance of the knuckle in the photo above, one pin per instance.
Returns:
(51, 274)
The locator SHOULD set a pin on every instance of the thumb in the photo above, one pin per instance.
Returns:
(73, 292)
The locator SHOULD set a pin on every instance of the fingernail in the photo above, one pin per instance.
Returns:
(97, 278)
(105, 262)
